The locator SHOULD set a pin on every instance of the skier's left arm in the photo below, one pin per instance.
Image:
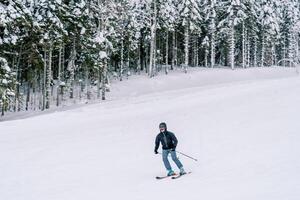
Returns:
(157, 141)
(175, 141)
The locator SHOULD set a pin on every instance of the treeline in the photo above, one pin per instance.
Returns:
(53, 52)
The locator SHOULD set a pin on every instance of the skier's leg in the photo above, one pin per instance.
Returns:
(165, 154)
(175, 159)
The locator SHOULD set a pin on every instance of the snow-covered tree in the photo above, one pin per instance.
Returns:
(234, 15)
(7, 84)
(141, 10)
(153, 28)
(56, 43)
(210, 11)
(191, 18)
(168, 16)
(290, 18)
(50, 30)
(268, 28)
(205, 45)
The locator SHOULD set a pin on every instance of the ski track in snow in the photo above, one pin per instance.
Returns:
(245, 135)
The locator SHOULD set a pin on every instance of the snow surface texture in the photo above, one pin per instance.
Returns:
(245, 136)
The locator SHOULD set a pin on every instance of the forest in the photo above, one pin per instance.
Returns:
(60, 52)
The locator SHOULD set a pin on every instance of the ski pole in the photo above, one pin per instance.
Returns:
(187, 156)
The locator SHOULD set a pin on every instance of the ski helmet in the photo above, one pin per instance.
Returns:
(163, 125)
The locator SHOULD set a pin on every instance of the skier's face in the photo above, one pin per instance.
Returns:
(162, 129)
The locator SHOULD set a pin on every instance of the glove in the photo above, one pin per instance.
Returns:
(173, 149)
(155, 151)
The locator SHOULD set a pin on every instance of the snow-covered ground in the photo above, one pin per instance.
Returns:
(242, 125)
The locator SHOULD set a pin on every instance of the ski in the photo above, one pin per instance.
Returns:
(163, 177)
(180, 175)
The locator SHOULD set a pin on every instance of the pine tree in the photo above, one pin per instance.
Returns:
(210, 11)
(7, 85)
(142, 16)
(153, 28)
(191, 18)
(50, 43)
(168, 17)
(234, 16)
(291, 19)
(205, 45)
(268, 29)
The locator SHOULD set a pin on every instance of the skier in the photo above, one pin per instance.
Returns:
(169, 143)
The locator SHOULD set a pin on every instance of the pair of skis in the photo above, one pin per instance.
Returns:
(175, 176)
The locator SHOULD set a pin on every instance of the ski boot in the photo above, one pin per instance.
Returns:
(171, 173)
(182, 172)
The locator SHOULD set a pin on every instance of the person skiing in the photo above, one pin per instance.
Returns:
(169, 143)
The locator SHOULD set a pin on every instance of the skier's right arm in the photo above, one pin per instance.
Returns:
(157, 140)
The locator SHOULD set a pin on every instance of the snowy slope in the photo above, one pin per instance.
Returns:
(245, 135)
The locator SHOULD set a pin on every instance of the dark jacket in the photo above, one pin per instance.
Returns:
(167, 139)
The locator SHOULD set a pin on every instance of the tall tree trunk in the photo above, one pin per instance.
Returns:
(206, 57)
(99, 76)
(87, 85)
(243, 46)
(17, 96)
(2, 108)
(104, 78)
(186, 47)
(155, 55)
(173, 49)
(262, 50)
(284, 51)
(72, 68)
(48, 78)
(122, 59)
(291, 48)
(232, 47)
(139, 60)
(128, 59)
(35, 83)
(167, 53)
(147, 60)
(195, 43)
(27, 96)
(59, 75)
(248, 50)
(212, 53)
(297, 48)
(104, 62)
(45, 78)
(273, 54)
(153, 42)
(255, 53)
(176, 50)
(197, 52)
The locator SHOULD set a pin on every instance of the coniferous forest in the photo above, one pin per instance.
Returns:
(56, 52)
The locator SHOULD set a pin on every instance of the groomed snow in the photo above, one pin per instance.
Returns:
(245, 135)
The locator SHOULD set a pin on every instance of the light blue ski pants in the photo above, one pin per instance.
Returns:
(165, 154)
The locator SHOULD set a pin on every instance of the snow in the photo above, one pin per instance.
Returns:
(241, 125)
(39, 17)
(52, 6)
(102, 54)
(83, 30)
(99, 38)
(62, 83)
(4, 65)
(4, 81)
(77, 12)
(10, 93)
(14, 39)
